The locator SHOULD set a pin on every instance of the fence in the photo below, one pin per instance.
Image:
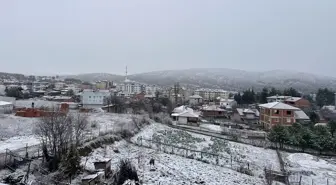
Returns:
(250, 141)
(11, 157)
(203, 156)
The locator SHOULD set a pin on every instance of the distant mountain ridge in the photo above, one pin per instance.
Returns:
(230, 79)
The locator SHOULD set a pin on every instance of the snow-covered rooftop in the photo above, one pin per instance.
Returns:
(301, 115)
(278, 105)
(89, 177)
(182, 108)
(293, 99)
(195, 97)
(278, 97)
(247, 111)
(4, 103)
(188, 114)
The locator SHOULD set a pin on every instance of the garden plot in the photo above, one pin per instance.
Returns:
(170, 169)
(311, 168)
(242, 155)
(102, 123)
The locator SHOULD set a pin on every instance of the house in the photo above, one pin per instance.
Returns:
(93, 179)
(301, 117)
(195, 99)
(277, 113)
(213, 111)
(298, 102)
(327, 113)
(140, 96)
(104, 165)
(185, 115)
(227, 103)
(6, 107)
(248, 116)
(277, 98)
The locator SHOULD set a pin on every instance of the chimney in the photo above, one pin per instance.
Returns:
(32, 105)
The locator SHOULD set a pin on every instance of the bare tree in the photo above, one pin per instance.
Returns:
(61, 133)
(80, 123)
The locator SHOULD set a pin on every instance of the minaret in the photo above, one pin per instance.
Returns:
(126, 74)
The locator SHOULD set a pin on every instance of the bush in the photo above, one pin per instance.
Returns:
(126, 134)
(126, 172)
(94, 124)
(167, 121)
(246, 171)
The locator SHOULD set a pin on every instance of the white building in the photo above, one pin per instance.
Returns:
(151, 89)
(195, 99)
(277, 98)
(129, 88)
(228, 103)
(90, 97)
(212, 94)
(59, 85)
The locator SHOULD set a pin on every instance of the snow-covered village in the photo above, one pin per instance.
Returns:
(64, 131)
(167, 92)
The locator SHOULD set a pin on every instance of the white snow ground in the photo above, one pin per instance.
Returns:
(312, 168)
(211, 127)
(18, 142)
(170, 169)
(102, 123)
(11, 125)
(258, 158)
(37, 103)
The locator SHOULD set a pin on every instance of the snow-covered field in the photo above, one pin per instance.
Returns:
(242, 154)
(312, 168)
(37, 103)
(16, 131)
(14, 143)
(107, 122)
(170, 169)
(11, 125)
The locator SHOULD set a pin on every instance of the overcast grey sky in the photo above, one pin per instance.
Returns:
(81, 36)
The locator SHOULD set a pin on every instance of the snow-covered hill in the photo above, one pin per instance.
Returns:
(230, 79)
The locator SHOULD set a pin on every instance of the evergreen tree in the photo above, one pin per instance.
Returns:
(274, 92)
(291, 92)
(332, 127)
(314, 118)
(71, 163)
(322, 138)
(279, 134)
(325, 97)
(238, 98)
(263, 95)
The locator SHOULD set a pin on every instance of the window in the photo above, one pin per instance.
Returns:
(276, 119)
(288, 120)
(289, 112)
(89, 96)
(276, 111)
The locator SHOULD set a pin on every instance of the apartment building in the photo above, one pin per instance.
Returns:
(212, 94)
(91, 97)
